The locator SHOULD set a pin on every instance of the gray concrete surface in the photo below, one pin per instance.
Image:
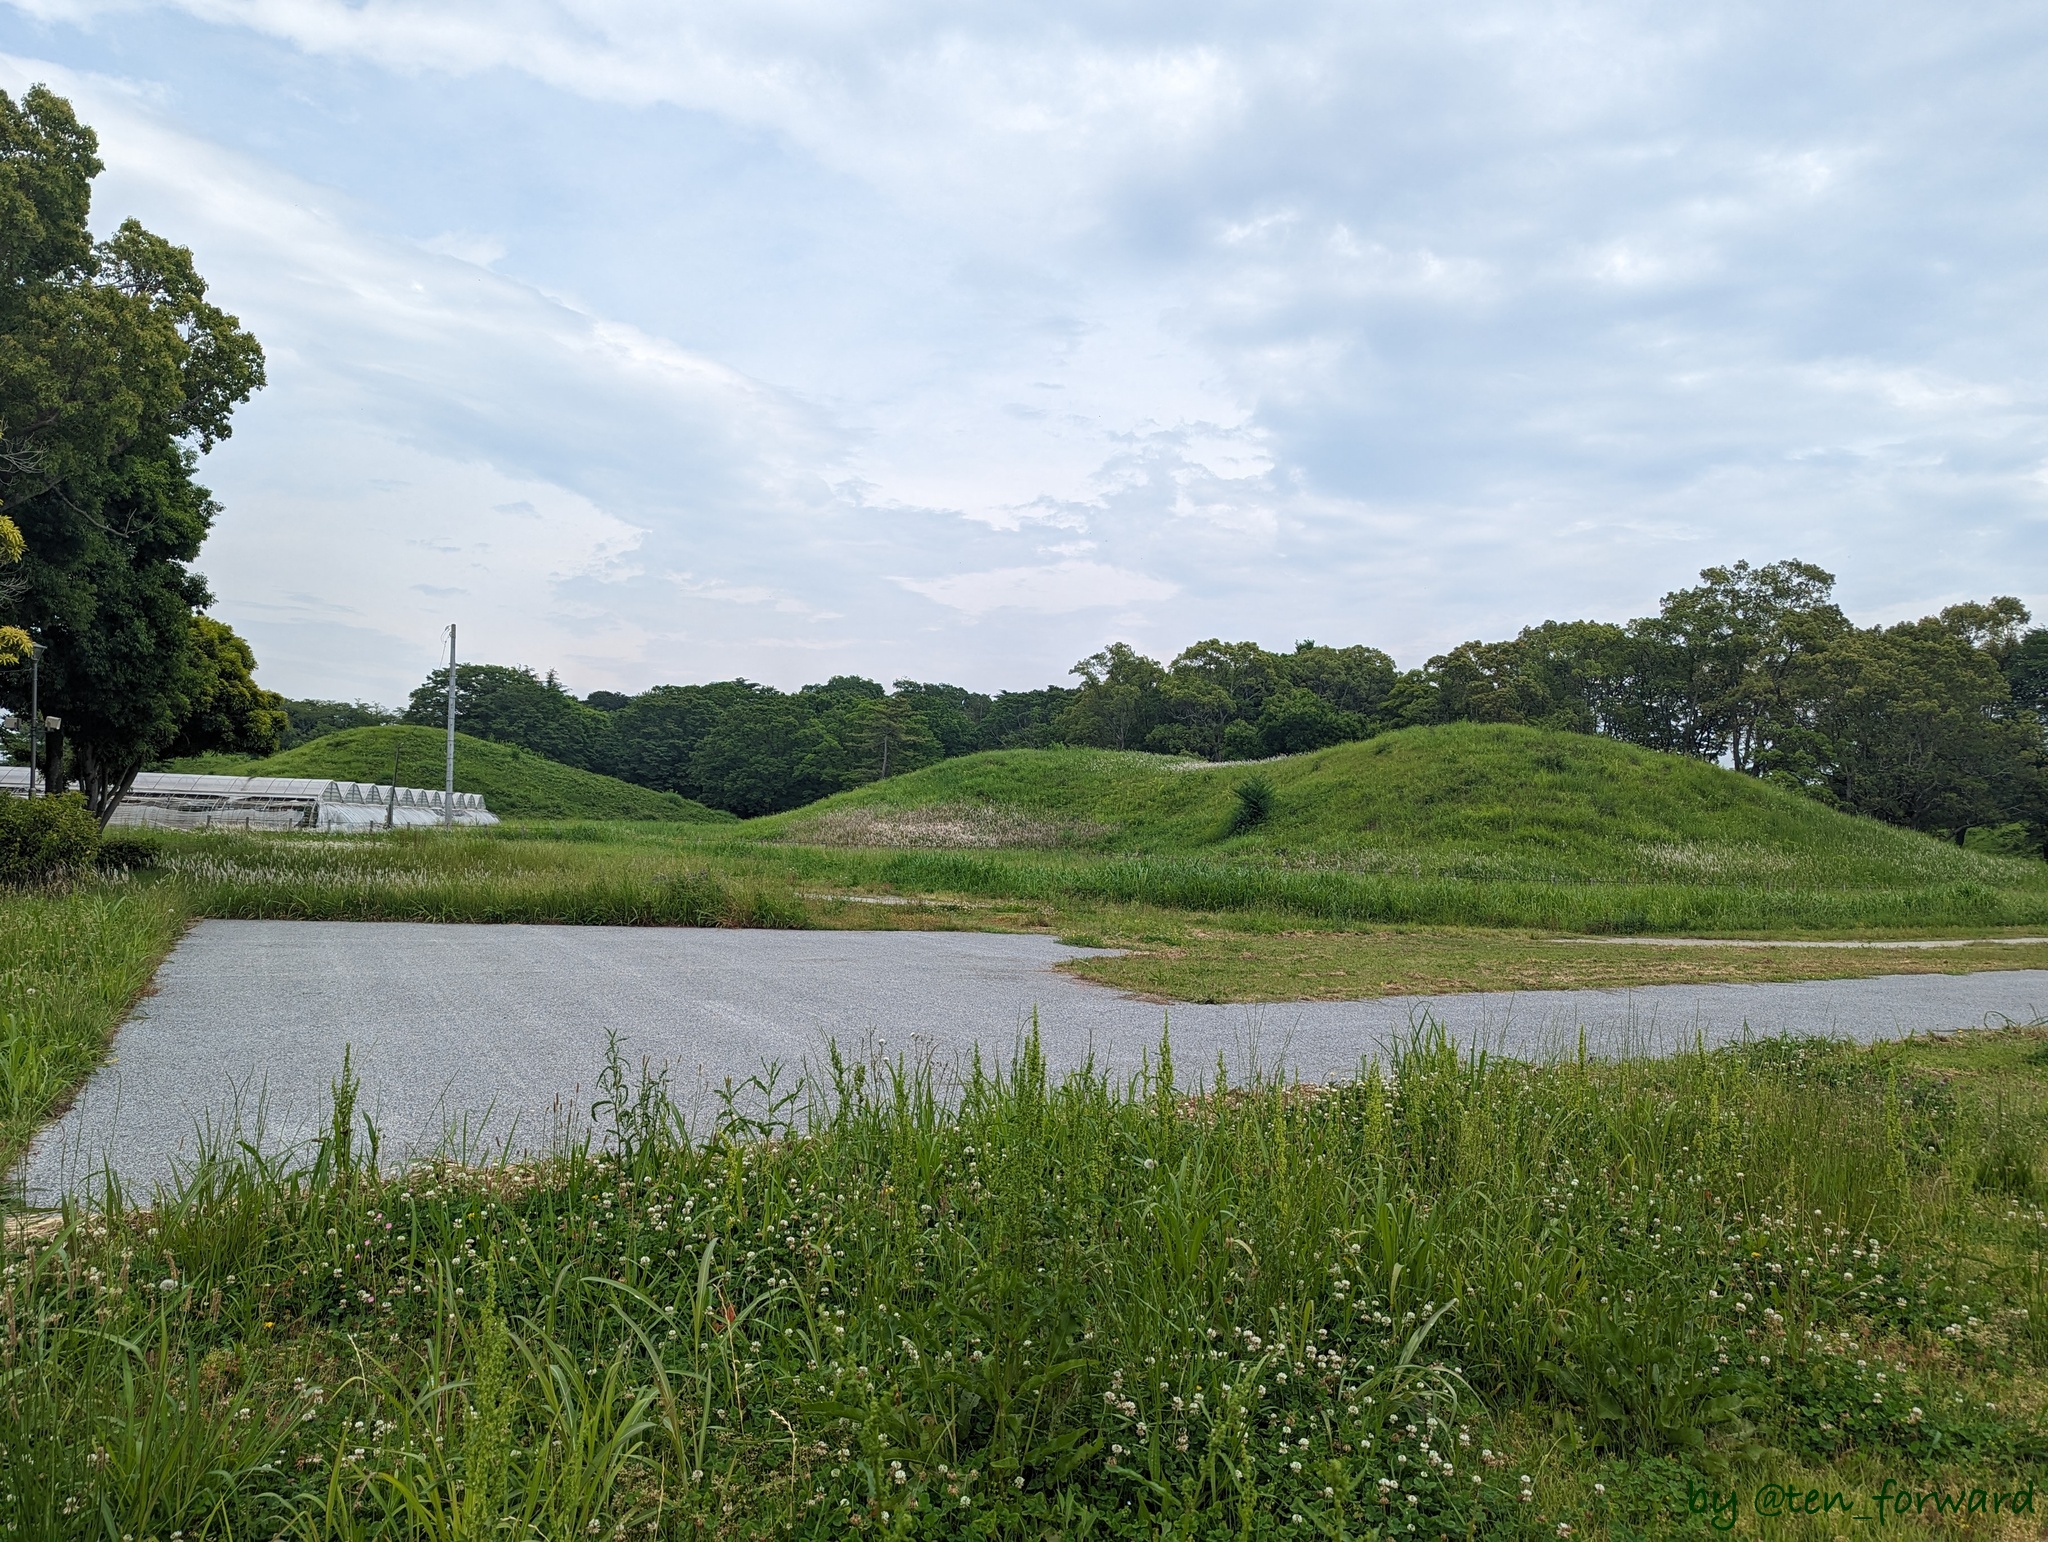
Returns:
(506, 1025)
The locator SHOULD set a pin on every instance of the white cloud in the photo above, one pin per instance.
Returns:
(1387, 322)
(1056, 588)
(465, 246)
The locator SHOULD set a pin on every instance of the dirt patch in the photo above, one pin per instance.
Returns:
(956, 826)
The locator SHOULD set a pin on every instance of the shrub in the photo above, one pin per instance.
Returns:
(1254, 804)
(123, 851)
(45, 838)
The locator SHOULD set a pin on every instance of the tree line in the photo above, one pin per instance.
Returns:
(1934, 724)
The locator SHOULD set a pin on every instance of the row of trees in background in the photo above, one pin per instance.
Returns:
(1934, 724)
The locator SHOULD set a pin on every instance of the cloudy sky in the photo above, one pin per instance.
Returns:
(659, 342)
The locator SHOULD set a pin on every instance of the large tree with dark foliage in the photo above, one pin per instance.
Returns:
(517, 706)
(116, 374)
(312, 719)
(226, 709)
(1915, 725)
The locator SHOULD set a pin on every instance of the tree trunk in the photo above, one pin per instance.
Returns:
(105, 778)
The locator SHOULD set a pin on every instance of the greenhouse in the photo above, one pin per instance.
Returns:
(177, 801)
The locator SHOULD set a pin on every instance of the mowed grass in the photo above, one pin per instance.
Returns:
(515, 783)
(1177, 961)
(71, 964)
(1479, 1298)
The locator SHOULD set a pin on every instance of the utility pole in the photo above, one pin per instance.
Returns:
(391, 805)
(448, 810)
(35, 711)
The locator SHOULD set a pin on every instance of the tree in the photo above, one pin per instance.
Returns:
(2026, 671)
(1357, 680)
(952, 713)
(1709, 674)
(116, 374)
(1915, 726)
(14, 642)
(227, 709)
(1295, 720)
(1024, 719)
(310, 719)
(1996, 626)
(886, 738)
(1118, 701)
(749, 761)
(513, 705)
(1559, 675)
(656, 734)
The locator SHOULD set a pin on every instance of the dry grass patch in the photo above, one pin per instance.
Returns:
(944, 826)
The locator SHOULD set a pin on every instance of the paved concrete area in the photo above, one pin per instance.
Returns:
(505, 1026)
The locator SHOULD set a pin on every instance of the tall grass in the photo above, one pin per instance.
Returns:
(626, 875)
(1336, 896)
(72, 961)
(1450, 1295)
(578, 874)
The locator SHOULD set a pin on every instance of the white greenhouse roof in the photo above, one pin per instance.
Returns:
(187, 800)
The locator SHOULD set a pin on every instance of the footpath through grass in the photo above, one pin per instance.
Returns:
(1478, 1299)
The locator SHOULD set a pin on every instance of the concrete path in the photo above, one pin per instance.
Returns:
(506, 1025)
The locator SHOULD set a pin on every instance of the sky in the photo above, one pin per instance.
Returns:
(660, 343)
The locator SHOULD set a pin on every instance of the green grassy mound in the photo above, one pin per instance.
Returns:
(1466, 801)
(515, 783)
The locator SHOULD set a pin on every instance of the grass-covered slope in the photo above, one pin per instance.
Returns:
(1462, 801)
(515, 783)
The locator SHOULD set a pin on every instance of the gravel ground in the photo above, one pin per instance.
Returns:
(502, 1029)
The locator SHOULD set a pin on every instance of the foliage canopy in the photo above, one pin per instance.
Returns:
(116, 374)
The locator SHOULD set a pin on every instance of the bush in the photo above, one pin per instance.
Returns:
(123, 851)
(45, 838)
(1254, 804)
